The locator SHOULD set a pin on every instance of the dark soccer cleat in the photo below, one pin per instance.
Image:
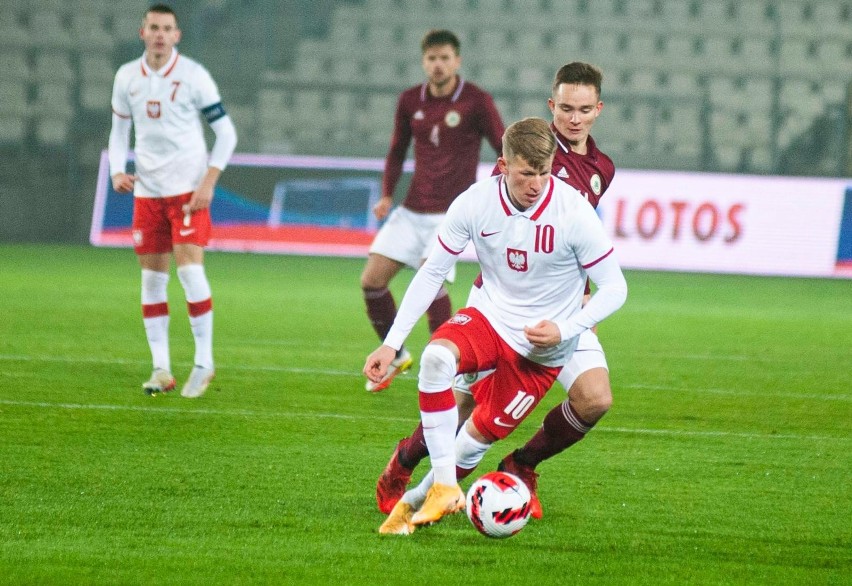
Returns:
(391, 485)
(530, 478)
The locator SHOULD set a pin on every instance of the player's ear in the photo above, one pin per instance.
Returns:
(503, 165)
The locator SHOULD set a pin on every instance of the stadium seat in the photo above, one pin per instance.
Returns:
(678, 54)
(14, 65)
(13, 98)
(52, 131)
(347, 71)
(96, 95)
(533, 78)
(728, 157)
(48, 31)
(312, 62)
(54, 99)
(53, 66)
(13, 34)
(753, 18)
(12, 129)
(495, 78)
(797, 55)
(833, 58)
(89, 32)
(683, 84)
(508, 109)
(96, 66)
(532, 107)
(754, 56)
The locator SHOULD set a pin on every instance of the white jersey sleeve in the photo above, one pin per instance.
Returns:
(420, 294)
(610, 296)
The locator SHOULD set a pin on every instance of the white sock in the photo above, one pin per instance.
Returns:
(417, 495)
(469, 451)
(198, 298)
(155, 300)
(435, 381)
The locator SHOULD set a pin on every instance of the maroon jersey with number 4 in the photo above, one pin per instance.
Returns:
(447, 135)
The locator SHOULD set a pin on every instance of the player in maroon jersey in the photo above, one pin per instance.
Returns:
(447, 117)
(575, 104)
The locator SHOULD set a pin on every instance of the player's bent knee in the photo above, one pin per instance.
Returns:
(437, 368)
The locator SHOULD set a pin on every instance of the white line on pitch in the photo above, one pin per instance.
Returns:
(284, 414)
(357, 374)
(736, 392)
(123, 361)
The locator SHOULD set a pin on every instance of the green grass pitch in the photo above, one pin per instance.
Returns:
(726, 459)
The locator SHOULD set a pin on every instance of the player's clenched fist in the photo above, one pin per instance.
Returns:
(123, 183)
(545, 334)
(377, 363)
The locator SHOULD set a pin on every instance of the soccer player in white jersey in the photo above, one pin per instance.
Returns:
(163, 96)
(537, 240)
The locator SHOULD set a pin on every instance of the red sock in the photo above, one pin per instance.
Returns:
(381, 309)
(413, 449)
(561, 429)
(440, 311)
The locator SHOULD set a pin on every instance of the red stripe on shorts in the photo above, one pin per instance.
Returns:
(440, 401)
(155, 309)
(197, 308)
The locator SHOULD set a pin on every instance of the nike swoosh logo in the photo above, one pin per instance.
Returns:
(501, 424)
(485, 234)
(184, 232)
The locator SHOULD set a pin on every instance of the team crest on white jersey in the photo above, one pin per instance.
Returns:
(563, 173)
(452, 119)
(137, 237)
(153, 108)
(418, 115)
(460, 319)
(595, 181)
(517, 259)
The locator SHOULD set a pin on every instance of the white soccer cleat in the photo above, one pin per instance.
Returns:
(161, 381)
(197, 382)
(398, 365)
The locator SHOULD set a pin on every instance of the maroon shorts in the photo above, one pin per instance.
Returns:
(504, 399)
(159, 223)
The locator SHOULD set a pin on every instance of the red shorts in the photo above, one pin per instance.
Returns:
(159, 223)
(504, 399)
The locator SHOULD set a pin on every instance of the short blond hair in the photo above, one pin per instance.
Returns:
(532, 140)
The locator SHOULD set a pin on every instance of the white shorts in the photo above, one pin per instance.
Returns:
(408, 237)
(588, 355)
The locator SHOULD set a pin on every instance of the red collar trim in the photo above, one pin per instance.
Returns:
(544, 203)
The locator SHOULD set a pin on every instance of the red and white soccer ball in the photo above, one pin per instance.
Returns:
(498, 504)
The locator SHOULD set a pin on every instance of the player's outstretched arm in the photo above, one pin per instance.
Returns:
(377, 363)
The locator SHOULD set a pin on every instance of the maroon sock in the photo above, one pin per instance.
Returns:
(562, 428)
(462, 473)
(440, 311)
(381, 309)
(413, 449)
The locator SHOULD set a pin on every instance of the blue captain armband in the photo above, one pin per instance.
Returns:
(214, 112)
